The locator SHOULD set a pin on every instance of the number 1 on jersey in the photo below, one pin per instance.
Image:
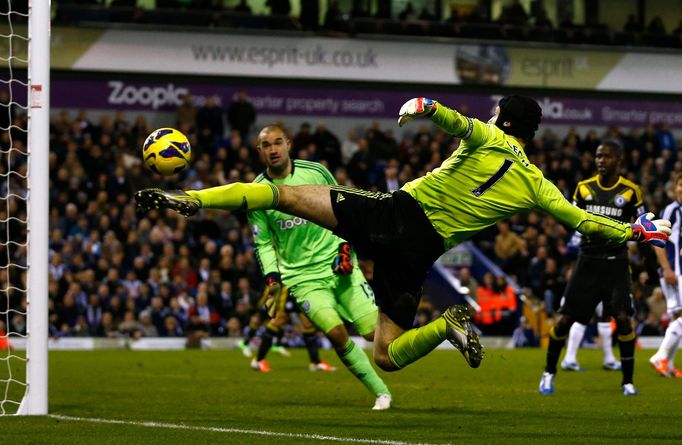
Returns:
(504, 168)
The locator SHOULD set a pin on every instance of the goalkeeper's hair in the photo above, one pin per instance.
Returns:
(523, 115)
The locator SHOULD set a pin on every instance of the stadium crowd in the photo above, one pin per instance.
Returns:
(514, 21)
(112, 274)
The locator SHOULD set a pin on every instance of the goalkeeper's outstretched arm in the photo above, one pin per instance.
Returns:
(644, 230)
(451, 121)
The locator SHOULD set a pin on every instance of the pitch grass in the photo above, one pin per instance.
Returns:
(437, 400)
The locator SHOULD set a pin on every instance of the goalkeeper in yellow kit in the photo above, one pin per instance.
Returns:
(487, 178)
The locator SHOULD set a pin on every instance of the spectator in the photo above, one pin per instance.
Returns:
(234, 327)
(514, 14)
(361, 166)
(146, 327)
(656, 304)
(358, 10)
(309, 16)
(426, 14)
(68, 312)
(632, 25)
(333, 17)
(130, 327)
(468, 281)
(246, 299)
(185, 115)
(383, 10)
(210, 126)
(656, 26)
(226, 305)
(172, 328)
(243, 7)
(665, 137)
(507, 244)
(303, 138)
(109, 328)
(524, 335)
(391, 182)
(349, 146)
(241, 114)
(207, 314)
(498, 306)
(278, 7)
(196, 330)
(536, 273)
(408, 13)
(328, 146)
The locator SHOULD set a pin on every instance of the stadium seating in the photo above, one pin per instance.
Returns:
(73, 13)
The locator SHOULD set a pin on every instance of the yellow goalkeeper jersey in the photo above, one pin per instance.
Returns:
(489, 178)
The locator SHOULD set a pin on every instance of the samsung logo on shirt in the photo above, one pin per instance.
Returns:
(604, 210)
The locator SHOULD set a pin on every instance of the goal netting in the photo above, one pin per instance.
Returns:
(24, 148)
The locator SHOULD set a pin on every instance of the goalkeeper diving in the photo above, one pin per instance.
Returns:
(486, 179)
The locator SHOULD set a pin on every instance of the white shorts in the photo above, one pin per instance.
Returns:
(673, 295)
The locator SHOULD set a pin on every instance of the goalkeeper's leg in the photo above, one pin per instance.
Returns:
(395, 348)
(312, 202)
(396, 343)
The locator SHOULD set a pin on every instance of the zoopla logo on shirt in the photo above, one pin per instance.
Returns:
(288, 224)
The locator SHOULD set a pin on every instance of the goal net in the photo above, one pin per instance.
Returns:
(24, 148)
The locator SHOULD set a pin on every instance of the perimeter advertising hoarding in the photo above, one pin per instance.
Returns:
(404, 62)
(426, 62)
(346, 102)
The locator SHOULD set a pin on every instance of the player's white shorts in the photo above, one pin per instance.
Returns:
(673, 295)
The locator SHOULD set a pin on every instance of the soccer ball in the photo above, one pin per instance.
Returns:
(166, 151)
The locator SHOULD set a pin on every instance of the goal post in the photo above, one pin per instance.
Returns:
(35, 397)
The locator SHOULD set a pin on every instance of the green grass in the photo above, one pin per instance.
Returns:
(437, 400)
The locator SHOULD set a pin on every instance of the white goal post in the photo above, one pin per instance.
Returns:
(35, 397)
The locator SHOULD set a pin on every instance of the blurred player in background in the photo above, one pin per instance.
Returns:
(601, 274)
(274, 328)
(611, 195)
(671, 281)
(314, 264)
(487, 178)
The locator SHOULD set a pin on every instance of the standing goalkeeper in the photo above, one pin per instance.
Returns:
(315, 265)
(487, 178)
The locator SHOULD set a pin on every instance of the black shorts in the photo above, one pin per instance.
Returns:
(598, 279)
(392, 230)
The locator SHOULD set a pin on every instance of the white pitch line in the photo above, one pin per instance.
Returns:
(180, 426)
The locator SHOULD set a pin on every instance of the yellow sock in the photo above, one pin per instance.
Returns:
(238, 196)
(417, 342)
